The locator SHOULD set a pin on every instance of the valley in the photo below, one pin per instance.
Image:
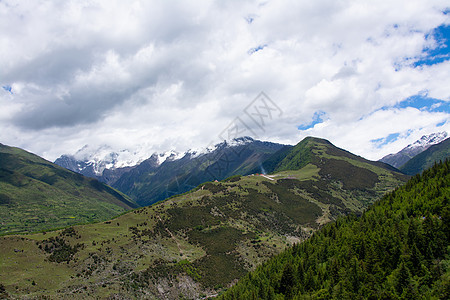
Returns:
(200, 242)
(229, 150)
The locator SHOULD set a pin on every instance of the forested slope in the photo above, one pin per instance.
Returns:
(398, 249)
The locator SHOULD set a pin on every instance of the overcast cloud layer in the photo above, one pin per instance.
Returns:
(163, 75)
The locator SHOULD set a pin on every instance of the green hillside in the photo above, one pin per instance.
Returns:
(427, 158)
(315, 151)
(38, 195)
(398, 249)
(197, 243)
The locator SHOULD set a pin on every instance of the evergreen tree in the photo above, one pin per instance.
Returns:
(287, 281)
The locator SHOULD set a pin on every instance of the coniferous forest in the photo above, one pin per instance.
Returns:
(397, 249)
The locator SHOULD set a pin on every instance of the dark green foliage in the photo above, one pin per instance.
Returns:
(4, 199)
(190, 217)
(398, 249)
(288, 281)
(60, 250)
(3, 292)
(427, 158)
(215, 188)
(300, 210)
(352, 177)
(69, 232)
(233, 178)
(97, 185)
(14, 178)
(49, 179)
(214, 236)
(317, 189)
(220, 265)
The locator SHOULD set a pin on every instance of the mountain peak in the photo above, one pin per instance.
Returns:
(298, 156)
(428, 140)
(427, 158)
(403, 156)
(239, 141)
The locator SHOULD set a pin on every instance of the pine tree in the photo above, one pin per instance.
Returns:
(287, 281)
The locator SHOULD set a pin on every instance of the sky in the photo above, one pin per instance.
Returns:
(152, 76)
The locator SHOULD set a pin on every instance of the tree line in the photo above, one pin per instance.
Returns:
(397, 249)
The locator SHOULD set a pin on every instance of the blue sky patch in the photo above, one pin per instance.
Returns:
(423, 102)
(317, 119)
(441, 52)
(441, 123)
(249, 19)
(386, 140)
(256, 49)
(7, 88)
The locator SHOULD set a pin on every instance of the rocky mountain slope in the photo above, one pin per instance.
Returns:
(36, 195)
(103, 163)
(149, 182)
(403, 156)
(198, 243)
(427, 158)
(166, 174)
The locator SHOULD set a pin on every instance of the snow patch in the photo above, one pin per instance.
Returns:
(428, 140)
(105, 157)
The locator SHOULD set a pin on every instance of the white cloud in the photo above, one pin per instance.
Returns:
(165, 74)
(409, 123)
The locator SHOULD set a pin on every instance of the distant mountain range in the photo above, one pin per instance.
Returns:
(105, 164)
(403, 156)
(427, 158)
(198, 243)
(148, 180)
(36, 194)
(172, 173)
(149, 183)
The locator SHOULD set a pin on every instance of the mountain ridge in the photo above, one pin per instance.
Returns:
(107, 165)
(302, 154)
(427, 158)
(148, 184)
(403, 156)
(199, 242)
(36, 194)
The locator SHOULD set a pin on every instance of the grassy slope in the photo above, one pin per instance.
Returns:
(195, 243)
(427, 158)
(398, 249)
(38, 195)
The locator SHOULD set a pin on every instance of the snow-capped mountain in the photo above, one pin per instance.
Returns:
(180, 172)
(425, 142)
(241, 141)
(101, 158)
(107, 165)
(403, 156)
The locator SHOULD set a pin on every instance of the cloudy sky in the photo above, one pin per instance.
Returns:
(370, 76)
